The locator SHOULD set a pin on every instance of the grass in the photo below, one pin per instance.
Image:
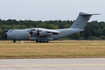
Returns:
(53, 49)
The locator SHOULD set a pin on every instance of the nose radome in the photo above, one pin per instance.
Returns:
(5, 35)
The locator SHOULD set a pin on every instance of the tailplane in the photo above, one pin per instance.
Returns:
(81, 20)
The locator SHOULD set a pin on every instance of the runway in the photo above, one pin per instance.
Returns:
(53, 64)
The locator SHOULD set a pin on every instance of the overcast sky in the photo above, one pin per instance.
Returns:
(50, 9)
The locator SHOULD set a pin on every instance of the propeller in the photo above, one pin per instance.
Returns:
(30, 34)
(33, 32)
(37, 31)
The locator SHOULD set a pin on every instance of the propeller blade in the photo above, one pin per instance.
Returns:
(37, 31)
(29, 36)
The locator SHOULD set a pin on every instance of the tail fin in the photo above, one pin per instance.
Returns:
(82, 20)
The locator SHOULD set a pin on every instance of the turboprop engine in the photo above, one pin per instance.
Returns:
(43, 33)
(39, 33)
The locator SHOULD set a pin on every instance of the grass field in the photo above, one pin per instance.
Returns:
(53, 49)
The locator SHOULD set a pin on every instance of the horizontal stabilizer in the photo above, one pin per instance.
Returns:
(85, 14)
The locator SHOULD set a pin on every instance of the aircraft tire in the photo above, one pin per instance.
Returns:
(40, 41)
(36, 41)
(14, 41)
(47, 41)
(43, 41)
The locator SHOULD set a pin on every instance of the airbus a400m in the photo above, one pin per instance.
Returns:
(46, 35)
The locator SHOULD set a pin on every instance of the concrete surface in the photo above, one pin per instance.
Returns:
(53, 64)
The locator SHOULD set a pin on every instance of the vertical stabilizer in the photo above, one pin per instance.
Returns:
(81, 20)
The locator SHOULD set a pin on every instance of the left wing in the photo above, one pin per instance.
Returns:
(49, 30)
(43, 31)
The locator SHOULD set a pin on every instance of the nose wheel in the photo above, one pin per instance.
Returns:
(47, 41)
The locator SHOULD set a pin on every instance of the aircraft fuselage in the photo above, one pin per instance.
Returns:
(23, 34)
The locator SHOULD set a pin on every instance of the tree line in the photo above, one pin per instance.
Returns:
(93, 30)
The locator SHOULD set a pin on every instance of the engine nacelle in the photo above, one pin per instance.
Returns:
(43, 33)
(33, 33)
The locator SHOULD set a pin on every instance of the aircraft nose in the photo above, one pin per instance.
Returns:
(5, 35)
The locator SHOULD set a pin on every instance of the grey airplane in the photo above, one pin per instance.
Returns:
(46, 35)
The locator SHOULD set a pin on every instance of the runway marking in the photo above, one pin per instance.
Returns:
(50, 65)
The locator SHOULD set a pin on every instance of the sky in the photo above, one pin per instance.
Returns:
(51, 9)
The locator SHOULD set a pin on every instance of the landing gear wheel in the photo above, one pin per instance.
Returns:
(40, 41)
(36, 41)
(43, 41)
(47, 41)
(14, 41)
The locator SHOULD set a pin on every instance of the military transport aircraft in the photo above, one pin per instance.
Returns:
(46, 35)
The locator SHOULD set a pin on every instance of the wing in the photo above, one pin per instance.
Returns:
(43, 32)
(49, 30)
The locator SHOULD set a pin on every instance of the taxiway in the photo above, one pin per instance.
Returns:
(53, 64)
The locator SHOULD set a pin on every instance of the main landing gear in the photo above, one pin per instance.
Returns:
(42, 41)
(14, 41)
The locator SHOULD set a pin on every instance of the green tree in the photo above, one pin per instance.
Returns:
(103, 31)
(67, 26)
(50, 26)
(0, 32)
(31, 26)
(75, 36)
(55, 27)
(81, 38)
(102, 37)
